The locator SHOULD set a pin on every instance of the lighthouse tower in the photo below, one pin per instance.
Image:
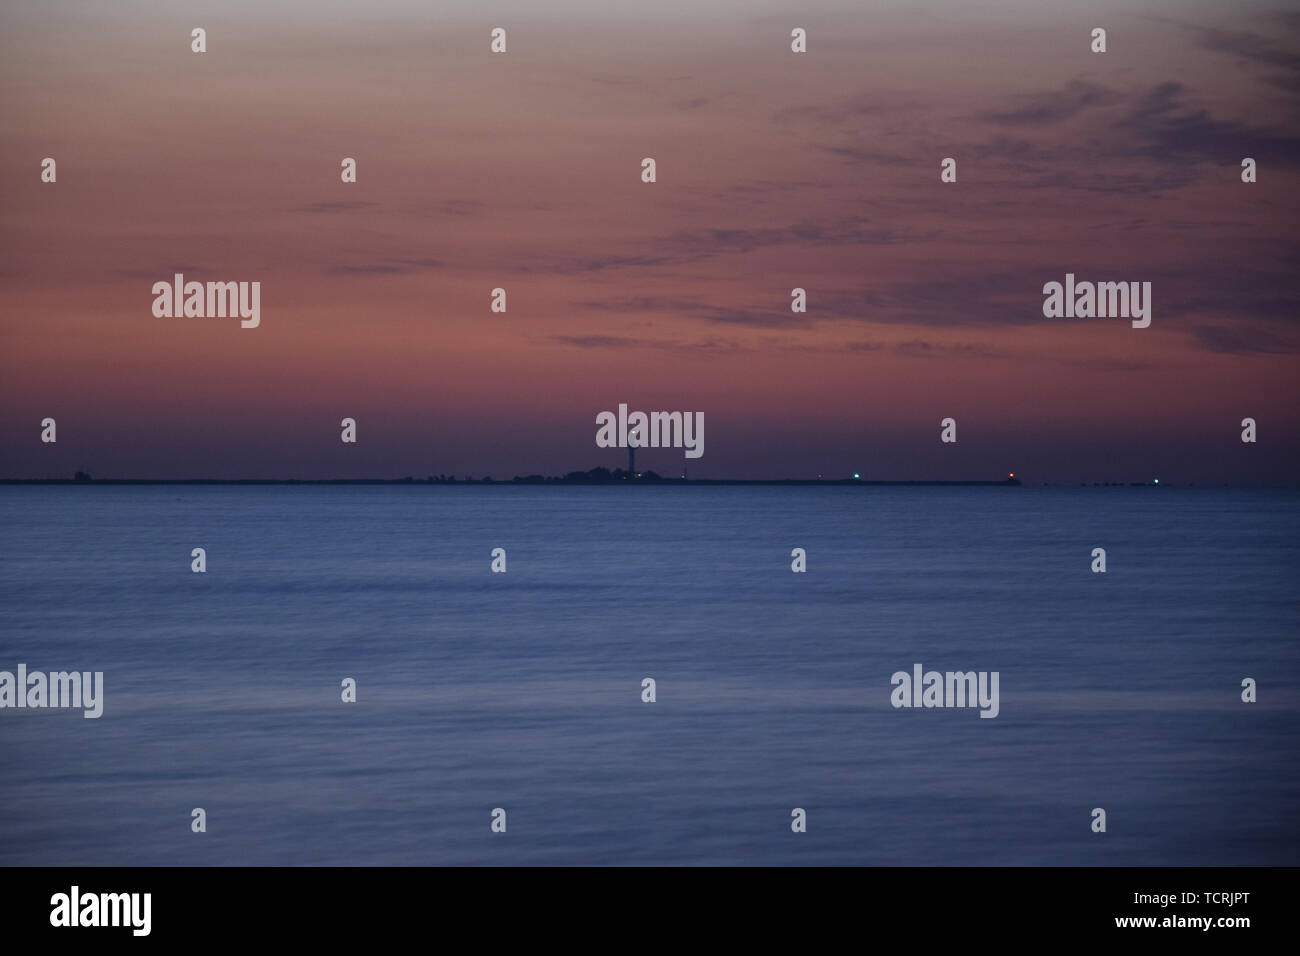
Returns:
(631, 453)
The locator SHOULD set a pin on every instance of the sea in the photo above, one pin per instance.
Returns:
(522, 691)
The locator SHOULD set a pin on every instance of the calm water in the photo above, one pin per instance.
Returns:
(522, 690)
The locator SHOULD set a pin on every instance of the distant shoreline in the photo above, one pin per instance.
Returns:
(659, 482)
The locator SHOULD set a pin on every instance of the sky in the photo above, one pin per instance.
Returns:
(775, 170)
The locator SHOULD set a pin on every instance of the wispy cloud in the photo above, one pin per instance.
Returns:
(1055, 106)
(1169, 129)
(1243, 340)
(762, 316)
(1254, 50)
(341, 205)
(855, 155)
(671, 345)
(694, 246)
(389, 267)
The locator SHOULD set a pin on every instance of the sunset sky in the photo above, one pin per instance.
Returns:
(775, 170)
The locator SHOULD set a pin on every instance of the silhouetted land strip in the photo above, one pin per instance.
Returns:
(596, 476)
